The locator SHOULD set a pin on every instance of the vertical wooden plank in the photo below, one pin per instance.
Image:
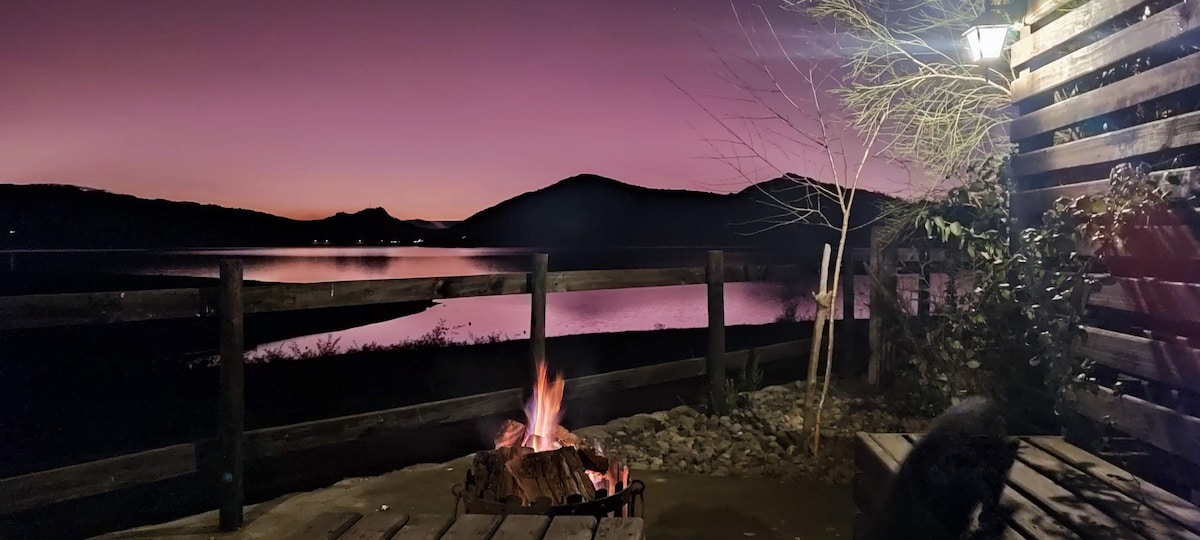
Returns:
(472, 527)
(883, 293)
(424, 527)
(924, 275)
(231, 420)
(519, 527)
(571, 528)
(537, 317)
(714, 277)
(848, 322)
(620, 529)
(327, 526)
(379, 525)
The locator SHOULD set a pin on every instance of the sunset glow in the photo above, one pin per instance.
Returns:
(429, 109)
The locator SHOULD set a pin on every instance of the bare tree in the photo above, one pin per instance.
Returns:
(907, 83)
(794, 127)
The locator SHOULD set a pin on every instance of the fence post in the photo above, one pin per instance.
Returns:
(537, 314)
(232, 407)
(848, 323)
(883, 293)
(923, 277)
(714, 276)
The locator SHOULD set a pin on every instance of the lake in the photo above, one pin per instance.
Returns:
(468, 318)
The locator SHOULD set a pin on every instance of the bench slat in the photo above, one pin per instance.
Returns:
(472, 527)
(328, 525)
(629, 528)
(1085, 518)
(376, 526)
(1118, 505)
(874, 468)
(571, 528)
(424, 527)
(1181, 511)
(519, 527)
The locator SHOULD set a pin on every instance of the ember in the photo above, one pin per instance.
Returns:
(541, 464)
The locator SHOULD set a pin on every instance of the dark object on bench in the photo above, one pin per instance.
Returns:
(1056, 490)
(959, 466)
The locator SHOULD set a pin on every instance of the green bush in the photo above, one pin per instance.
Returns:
(1009, 322)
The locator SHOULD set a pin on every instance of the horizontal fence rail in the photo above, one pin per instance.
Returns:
(222, 457)
(97, 477)
(54, 310)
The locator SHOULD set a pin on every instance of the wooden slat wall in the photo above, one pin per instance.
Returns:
(1155, 281)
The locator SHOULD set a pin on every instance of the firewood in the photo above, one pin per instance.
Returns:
(566, 438)
(511, 433)
(592, 460)
(491, 475)
(555, 474)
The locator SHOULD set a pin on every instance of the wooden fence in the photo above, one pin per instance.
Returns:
(1083, 110)
(231, 300)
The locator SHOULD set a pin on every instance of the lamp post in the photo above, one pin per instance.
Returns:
(988, 35)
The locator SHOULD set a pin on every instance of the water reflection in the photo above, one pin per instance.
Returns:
(506, 316)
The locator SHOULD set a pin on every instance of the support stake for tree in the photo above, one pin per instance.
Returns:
(537, 312)
(814, 355)
(232, 407)
(714, 276)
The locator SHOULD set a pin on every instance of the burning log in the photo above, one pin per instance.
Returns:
(513, 433)
(542, 463)
(593, 460)
(556, 474)
(491, 475)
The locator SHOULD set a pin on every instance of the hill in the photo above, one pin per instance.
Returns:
(590, 210)
(581, 211)
(56, 216)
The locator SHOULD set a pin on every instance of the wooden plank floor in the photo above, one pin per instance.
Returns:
(397, 526)
(1058, 491)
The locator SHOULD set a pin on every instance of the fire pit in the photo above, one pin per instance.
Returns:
(542, 468)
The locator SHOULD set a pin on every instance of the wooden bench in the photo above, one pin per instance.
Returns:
(1057, 489)
(385, 525)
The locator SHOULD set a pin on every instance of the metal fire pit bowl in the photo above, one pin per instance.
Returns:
(622, 502)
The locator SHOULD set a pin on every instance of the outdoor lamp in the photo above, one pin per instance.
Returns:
(988, 35)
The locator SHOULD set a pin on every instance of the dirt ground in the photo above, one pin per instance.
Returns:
(678, 506)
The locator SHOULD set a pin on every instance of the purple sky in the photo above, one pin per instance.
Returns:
(429, 108)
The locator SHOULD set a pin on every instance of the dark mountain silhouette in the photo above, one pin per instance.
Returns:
(590, 210)
(581, 211)
(55, 216)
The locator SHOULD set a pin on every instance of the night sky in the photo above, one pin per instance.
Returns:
(429, 108)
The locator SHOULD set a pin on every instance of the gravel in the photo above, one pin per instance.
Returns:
(763, 436)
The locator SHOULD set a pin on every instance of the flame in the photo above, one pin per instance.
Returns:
(542, 431)
(544, 411)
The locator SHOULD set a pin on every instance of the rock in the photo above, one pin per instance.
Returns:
(596, 433)
(646, 422)
(763, 436)
(683, 411)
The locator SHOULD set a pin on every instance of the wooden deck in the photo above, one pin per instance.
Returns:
(1057, 489)
(384, 525)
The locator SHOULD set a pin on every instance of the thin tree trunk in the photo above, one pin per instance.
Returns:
(814, 356)
(837, 275)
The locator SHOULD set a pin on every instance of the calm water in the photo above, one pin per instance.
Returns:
(508, 316)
